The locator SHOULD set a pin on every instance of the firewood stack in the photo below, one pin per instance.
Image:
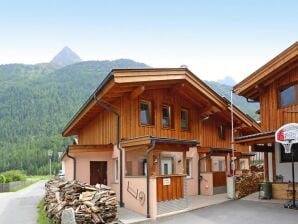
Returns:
(247, 184)
(92, 204)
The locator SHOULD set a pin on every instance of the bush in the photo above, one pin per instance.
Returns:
(13, 175)
(2, 179)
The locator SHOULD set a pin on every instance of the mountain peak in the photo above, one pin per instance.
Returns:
(228, 80)
(66, 57)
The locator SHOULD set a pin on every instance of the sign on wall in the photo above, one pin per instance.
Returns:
(166, 181)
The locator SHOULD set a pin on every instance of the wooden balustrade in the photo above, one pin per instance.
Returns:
(170, 187)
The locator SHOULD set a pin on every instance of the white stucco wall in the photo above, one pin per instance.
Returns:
(284, 169)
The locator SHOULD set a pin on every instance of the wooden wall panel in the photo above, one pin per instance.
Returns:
(209, 133)
(131, 126)
(102, 129)
(170, 192)
(219, 179)
(272, 116)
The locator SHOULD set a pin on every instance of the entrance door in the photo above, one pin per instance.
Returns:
(166, 166)
(98, 172)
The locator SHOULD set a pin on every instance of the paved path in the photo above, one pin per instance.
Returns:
(236, 212)
(21, 207)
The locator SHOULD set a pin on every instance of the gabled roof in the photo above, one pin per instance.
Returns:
(274, 69)
(121, 81)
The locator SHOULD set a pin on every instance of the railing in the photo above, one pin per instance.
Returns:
(219, 179)
(170, 187)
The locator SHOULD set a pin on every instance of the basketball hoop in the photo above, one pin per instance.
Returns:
(287, 135)
(287, 147)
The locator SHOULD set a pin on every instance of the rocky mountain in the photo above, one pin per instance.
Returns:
(66, 57)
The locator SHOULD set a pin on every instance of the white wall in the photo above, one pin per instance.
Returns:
(270, 170)
(284, 169)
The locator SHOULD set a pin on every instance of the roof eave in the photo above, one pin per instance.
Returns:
(243, 87)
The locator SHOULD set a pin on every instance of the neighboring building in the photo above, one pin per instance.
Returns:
(172, 126)
(274, 85)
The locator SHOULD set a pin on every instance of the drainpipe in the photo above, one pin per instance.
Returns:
(199, 171)
(74, 163)
(148, 176)
(106, 107)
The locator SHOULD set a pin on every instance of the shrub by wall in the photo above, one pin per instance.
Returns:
(12, 176)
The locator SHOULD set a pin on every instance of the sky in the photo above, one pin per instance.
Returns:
(213, 38)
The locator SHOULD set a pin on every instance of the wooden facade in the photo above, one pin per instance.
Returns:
(272, 114)
(102, 128)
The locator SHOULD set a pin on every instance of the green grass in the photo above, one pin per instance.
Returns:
(30, 180)
(42, 216)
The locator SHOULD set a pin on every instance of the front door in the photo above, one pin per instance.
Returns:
(166, 166)
(98, 172)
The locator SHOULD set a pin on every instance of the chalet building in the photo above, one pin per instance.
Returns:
(150, 133)
(274, 85)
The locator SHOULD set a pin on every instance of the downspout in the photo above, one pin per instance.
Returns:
(199, 171)
(74, 163)
(106, 107)
(148, 176)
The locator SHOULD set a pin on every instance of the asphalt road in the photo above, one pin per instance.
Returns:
(21, 207)
(237, 212)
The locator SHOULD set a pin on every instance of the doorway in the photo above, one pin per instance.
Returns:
(166, 166)
(98, 172)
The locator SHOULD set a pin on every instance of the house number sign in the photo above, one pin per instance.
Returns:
(166, 181)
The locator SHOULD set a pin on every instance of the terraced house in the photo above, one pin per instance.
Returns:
(155, 136)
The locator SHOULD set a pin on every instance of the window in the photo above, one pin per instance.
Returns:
(116, 177)
(167, 116)
(188, 168)
(218, 163)
(184, 119)
(221, 132)
(146, 112)
(288, 96)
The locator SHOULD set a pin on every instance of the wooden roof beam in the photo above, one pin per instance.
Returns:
(137, 92)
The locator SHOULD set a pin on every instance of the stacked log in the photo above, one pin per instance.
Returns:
(92, 204)
(257, 168)
(247, 184)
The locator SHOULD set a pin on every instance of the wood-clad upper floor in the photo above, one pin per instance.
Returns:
(170, 103)
(279, 102)
(275, 86)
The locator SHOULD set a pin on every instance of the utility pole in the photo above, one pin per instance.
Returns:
(232, 135)
(50, 153)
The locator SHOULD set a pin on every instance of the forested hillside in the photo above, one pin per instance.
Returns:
(37, 101)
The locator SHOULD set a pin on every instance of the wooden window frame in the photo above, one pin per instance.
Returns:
(151, 112)
(171, 116)
(188, 119)
(284, 87)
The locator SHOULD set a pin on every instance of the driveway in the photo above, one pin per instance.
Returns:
(237, 212)
(21, 207)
